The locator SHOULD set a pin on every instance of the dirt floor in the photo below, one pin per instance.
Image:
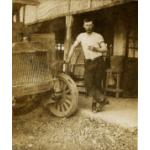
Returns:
(40, 130)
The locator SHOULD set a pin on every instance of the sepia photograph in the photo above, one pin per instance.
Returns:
(75, 74)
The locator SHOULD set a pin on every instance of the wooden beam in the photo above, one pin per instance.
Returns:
(68, 39)
(89, 9)
(27, 2)
(24, 11)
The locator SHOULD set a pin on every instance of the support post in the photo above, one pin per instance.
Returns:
(68, 39)
(18, 16)
(24, 11)
(120, 38)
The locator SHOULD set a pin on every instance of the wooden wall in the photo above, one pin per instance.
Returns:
(119, 38)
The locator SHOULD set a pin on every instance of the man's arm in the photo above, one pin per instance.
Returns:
(102, 48)
(73, 47)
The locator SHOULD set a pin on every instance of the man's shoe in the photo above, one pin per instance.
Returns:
(107, 102)
(94, 109)
(99, 107)
(103, 100)
(101, 104)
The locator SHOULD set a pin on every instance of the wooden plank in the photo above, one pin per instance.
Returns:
(29, 47)
(100, 4)
(49, 11)
(48, 39)
(52, 8)
(27, 2)
(31, 89)
(31, 14)
(79, 5)
(113, 90)
(68, 40)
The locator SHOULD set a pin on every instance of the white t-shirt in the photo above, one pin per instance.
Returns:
(86, 40)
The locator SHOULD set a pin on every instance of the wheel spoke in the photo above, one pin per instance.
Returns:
(61, 84)
(69, 97)
(65, 106)
(68, 102)
(56, 106)
(59, 108)
(67, 91)
(65, 87)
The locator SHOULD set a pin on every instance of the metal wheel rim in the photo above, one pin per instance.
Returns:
(69, 102)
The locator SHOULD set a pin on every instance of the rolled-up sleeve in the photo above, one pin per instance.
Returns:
(100, 39)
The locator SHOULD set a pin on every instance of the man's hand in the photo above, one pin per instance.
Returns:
(93, 48)
(73, 47)
(102, 48)
(65, 65)
(67, 60)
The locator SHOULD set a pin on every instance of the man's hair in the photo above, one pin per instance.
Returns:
(88, 20)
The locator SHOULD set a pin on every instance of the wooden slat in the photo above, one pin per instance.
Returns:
(52, 8)
(27, 2)
(29, 47)
(113, 90)
(79, 5)
(31, 89)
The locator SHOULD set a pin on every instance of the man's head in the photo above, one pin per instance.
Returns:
(88, 25)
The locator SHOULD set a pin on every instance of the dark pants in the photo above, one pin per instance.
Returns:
(94, 75)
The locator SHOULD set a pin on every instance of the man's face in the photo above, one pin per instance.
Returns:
(88, 26)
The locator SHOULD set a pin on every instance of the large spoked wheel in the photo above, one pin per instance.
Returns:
(67, 100)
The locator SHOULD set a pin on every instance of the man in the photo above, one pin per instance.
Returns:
(93, 46)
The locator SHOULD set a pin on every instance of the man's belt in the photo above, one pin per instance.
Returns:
(94, 59)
